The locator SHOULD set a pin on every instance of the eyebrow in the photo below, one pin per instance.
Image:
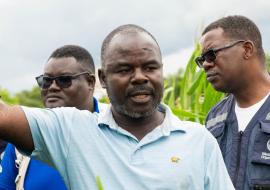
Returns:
(153, 61)
(210, 46)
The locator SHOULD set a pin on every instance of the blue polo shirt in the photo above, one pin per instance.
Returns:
(39, 176)
(84, 146)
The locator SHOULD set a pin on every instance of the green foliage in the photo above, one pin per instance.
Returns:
(267, 60)
(30, 97)
(26, 97)
(7, 97)
(104, 99)
(99, 184)
(190, 96)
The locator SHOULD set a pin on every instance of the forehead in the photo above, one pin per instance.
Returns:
(131, 45)
(212, 38)
(56, 66)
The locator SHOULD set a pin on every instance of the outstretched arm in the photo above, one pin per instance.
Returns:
(14, 127)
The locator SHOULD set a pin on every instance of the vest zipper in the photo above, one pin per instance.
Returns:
(238, 158)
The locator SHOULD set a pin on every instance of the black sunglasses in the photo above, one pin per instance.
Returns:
(211, 55)
(63, 81)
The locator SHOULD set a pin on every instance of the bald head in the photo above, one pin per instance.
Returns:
(125, 30)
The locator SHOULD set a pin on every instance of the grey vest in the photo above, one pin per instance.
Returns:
(246, 153)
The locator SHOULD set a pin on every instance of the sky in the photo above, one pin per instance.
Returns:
(30, 30)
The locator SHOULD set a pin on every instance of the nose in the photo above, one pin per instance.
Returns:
(207, 65)
(139, 76)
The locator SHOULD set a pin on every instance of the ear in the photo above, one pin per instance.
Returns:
(249, 49)
(102, 78)
(91, 80)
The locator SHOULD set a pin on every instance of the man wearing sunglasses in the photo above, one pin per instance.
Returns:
(136, 144)
(68, 80)
(234, 62)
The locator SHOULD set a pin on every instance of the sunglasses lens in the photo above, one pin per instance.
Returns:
(64, 81)
(199, 61)
(44, 82)
(210, 56)
(39, 81)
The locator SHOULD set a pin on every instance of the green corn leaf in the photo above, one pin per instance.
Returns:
(99, 184)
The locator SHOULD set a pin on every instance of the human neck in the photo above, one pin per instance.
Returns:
(87, 106)
(139, 127)
(252, 92)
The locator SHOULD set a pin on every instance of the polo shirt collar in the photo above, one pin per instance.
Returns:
(95, 102)
(170, 123)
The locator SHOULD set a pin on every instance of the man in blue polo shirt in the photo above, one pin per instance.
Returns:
(64, 62)
(137, 143)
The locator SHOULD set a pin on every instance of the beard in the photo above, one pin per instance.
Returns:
(122, 109)
(126, 109)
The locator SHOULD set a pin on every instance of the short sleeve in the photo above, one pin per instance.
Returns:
(50, 130)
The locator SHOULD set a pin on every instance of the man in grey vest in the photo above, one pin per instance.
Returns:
(234, 63)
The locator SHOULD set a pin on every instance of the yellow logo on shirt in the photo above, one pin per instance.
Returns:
(175, 159)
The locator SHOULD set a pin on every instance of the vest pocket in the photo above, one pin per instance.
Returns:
(261, 150)
(259, 169)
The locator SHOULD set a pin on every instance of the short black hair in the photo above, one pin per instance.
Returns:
(239, 27)
(79, 53)
(128, 28)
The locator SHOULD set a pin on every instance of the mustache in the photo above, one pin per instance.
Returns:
(139, 89)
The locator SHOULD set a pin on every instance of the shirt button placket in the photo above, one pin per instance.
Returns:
(136, 157)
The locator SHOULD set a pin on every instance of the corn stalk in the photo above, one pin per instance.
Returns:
(191, 96)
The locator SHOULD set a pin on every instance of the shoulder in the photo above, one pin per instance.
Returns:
(175, 123)
(56, 115)
(223, 105)
(197, 130)
(196, 135)
(219, 112)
